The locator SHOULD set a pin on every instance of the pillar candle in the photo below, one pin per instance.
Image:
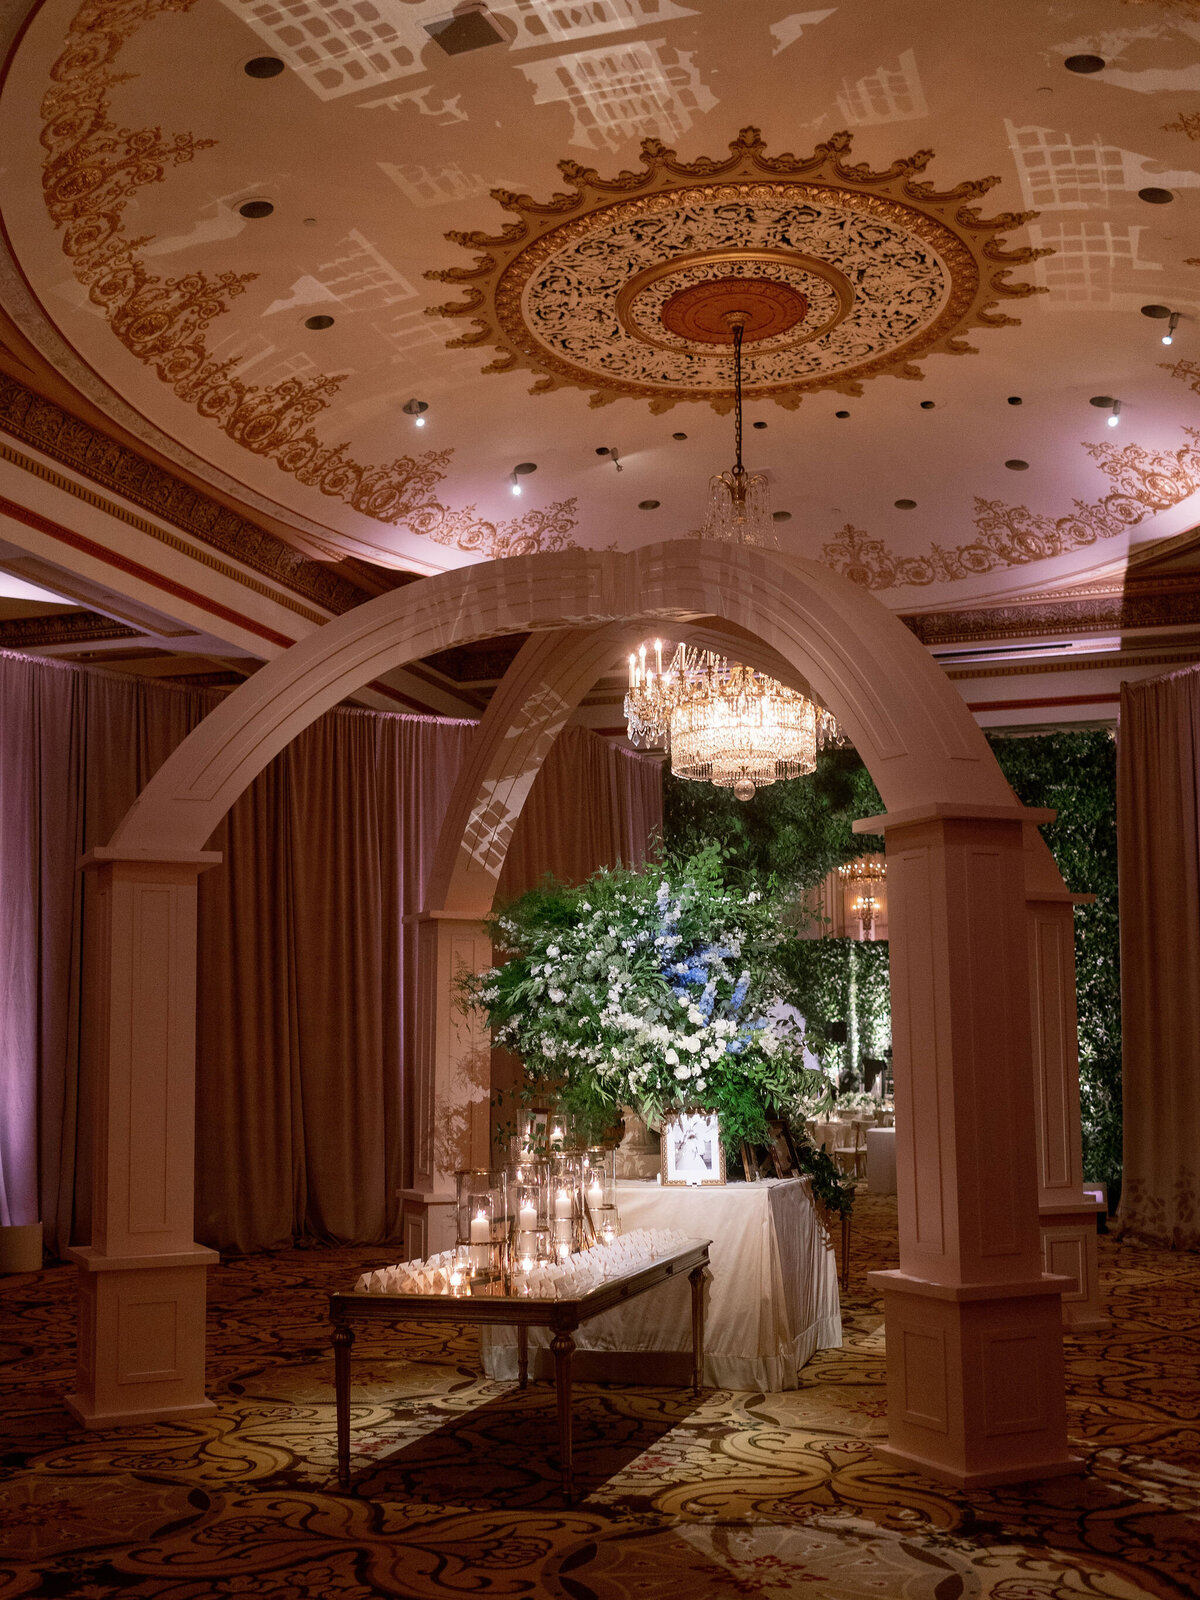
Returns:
(481, 1237)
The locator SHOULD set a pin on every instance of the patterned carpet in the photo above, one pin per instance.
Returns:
(455, 1492)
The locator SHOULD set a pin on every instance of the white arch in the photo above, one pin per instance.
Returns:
(912, 729)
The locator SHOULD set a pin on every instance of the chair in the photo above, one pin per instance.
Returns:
(850, 1148)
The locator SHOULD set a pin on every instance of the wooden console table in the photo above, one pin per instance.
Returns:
(488, 1305)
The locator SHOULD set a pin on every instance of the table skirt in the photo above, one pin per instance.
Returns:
(770, 1302)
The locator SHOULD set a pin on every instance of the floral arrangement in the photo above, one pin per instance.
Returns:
(659, 990)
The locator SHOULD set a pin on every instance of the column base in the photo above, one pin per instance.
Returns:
(141, 1337)
(427, 1223)
(89, 1417)
(974, 1480)
(975, 1378)
(1069, 1247)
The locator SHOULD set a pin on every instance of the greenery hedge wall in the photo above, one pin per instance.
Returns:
(794, 833)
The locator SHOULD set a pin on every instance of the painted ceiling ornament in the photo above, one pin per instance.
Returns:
(621, 285)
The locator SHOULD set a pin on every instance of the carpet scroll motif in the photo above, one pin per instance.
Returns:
(92, 170)
(736, 1496)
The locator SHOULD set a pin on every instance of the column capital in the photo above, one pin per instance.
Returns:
(104, 855)
(953, 811)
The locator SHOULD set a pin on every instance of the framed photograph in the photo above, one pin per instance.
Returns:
(691, 1150)
(783, 1156)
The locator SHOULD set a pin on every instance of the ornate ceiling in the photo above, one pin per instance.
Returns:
(239, 235)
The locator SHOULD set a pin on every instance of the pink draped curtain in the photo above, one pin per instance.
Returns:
(1158, 840)
(307, 975)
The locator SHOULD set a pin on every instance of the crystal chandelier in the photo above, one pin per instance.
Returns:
(725, 723)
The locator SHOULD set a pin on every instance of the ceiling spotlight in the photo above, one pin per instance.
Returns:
(1114, 416)
(521, 469)
(1172, 324)
(416, 409)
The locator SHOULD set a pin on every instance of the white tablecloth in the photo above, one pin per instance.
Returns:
(881, 1160)
(770, 1301)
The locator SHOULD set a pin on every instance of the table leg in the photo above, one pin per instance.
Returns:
(696, 1279)
(523, 1355)
(563, 1347)
(845, 1252)
(343, 1339)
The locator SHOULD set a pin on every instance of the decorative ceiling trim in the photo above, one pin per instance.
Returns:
(1121, 659)
(92, 170)
(1147, 481)
(114, 558)
(522, 275)
(57, 433)
(72, 627)
(1143, 607)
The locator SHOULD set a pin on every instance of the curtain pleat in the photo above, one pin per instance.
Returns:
(307, 966)
(1158, 840)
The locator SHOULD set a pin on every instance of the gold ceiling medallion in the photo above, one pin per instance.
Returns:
(620, 285)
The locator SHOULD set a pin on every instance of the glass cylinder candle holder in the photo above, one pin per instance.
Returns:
(566, 1201)
(528, 1210)
(475, 1212)
(597, 1180)
(608, 1224)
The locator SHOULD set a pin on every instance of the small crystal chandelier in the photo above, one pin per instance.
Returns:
(739, 505)
(861, 875)
(725, 723)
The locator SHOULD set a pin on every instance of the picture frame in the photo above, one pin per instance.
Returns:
(692, 1153)
(783, 1154)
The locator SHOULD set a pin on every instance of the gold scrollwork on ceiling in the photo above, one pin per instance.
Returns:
(549, 292)
(92, 170)
(1144, 483)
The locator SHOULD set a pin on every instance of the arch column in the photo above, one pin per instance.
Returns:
(142, 1279)
(974, 1325)
(1067, 1214)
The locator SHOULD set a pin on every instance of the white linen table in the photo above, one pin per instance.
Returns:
(881, 1160)
(771, 1298)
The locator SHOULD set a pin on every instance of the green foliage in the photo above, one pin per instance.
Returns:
(1076, 774)
(794, 833)
(841, 981)
(791, 833)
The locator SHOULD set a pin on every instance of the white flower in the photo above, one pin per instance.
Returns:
(552, 950)
(700, 1083)
(752, 897)
(670, 1057)
(558, 996)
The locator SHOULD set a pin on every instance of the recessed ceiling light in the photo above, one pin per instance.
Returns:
(317, 323)
(1156, 197)
(1101, 400)
(679, 436)
(1017, 466)
(1015, 400)
(781, 516)
(310, 222)
(601, 449)
(524, 467)
(416, 409)
(841, 413)
(1157, 312)
(928, 405)
(760, 424)
(905, 505)
(1085, 64)
(263, 67)
(649, 505)
(256, 208)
